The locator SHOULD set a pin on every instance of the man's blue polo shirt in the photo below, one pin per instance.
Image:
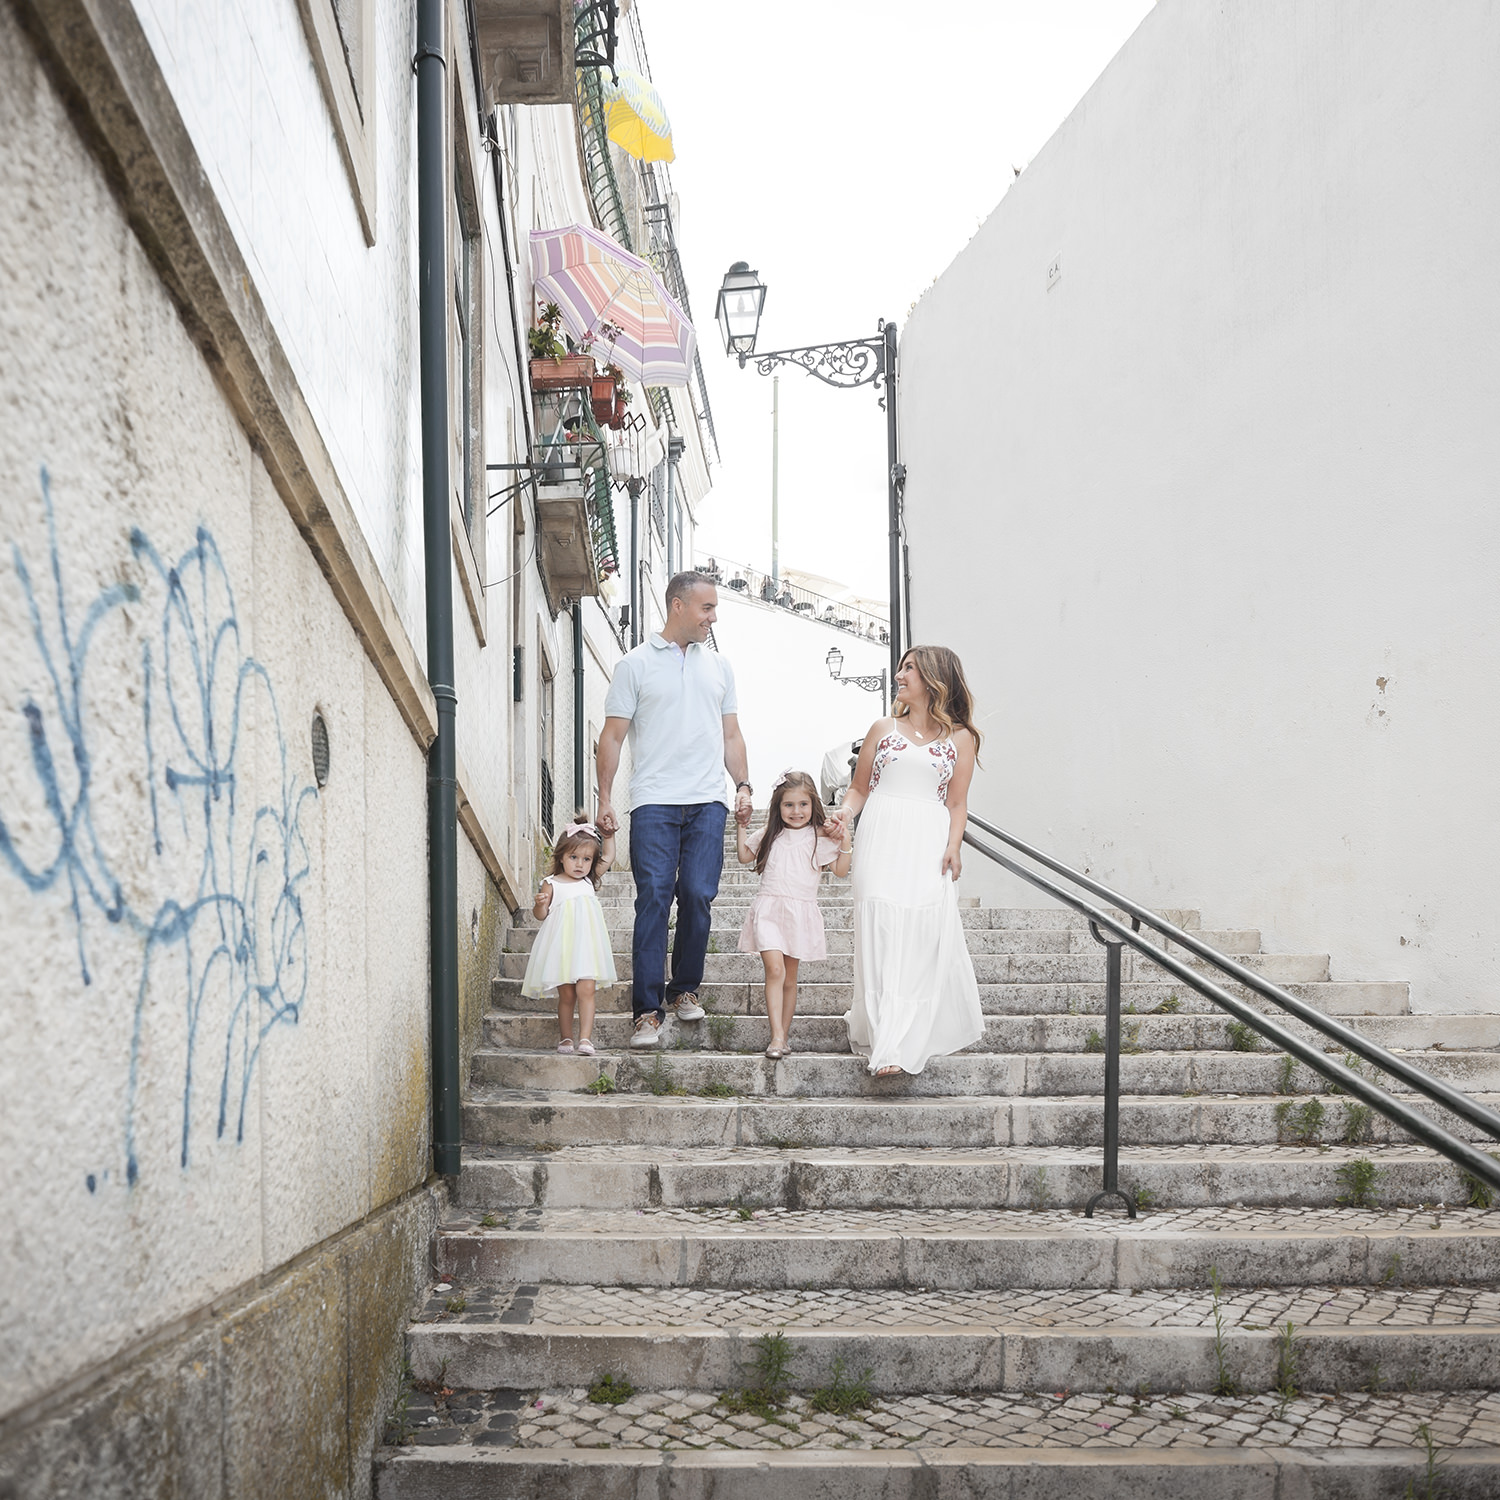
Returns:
(676, 701)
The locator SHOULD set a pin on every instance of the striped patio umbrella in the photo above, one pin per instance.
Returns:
(635, 119)
(613, 301)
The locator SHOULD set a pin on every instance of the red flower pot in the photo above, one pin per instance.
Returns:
(602, 397)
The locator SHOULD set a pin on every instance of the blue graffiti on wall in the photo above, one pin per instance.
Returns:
(230, 940)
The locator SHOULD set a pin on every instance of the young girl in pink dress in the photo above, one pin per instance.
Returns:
(784, 924)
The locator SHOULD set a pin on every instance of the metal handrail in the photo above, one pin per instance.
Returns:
(1470, 1159)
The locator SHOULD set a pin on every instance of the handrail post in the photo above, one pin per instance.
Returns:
(1112, 1188)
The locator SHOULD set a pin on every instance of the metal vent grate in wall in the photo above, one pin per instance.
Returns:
(320, 750)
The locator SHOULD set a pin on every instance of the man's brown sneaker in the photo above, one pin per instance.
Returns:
(685, 1007)
(647, 1031)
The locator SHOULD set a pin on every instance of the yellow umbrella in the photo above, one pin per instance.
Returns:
(635, 119)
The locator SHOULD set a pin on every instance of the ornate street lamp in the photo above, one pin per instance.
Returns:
(857, 362)
(871, 684)
(741, 299)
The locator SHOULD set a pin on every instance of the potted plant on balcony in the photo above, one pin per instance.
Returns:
(602, 394)
(610, 396)
(622, 399)
(552, 367)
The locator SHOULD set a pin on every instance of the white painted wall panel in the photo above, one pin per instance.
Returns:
(1233, 621)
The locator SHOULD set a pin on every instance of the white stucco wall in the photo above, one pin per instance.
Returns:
(1212, 520)
(244, 82)
(216, 1026)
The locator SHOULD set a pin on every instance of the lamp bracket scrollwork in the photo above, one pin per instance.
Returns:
(845, 366)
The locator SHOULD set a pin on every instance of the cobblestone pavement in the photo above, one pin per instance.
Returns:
(1257, 1309)
(687, 1419)
(820, 1223)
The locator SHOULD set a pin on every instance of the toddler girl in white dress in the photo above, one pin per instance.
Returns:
(572, 953)
(784, 924)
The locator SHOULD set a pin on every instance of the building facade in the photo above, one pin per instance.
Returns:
(214, 701)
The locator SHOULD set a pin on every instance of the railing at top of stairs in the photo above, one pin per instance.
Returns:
(1467, 1158)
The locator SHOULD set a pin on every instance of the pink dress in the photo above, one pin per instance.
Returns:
(784, 915)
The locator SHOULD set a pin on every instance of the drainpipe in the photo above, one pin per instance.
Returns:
(442, 780)
(670, 528)
(578, 801)
(635, 563)
(676, 447)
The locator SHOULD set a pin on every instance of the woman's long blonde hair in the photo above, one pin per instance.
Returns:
(949, 700)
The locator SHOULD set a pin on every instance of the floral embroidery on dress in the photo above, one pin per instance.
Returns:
(885, 752)
(947, 757)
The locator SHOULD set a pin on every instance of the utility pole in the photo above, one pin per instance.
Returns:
(775, 467)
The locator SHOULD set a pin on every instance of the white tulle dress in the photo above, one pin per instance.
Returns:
(915, 995)
(573, 942)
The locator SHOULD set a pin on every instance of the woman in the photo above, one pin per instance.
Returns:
(915, 995)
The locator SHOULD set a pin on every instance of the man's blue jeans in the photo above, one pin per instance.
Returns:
(674, 851)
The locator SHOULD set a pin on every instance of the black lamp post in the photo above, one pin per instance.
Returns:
(872, 361)
(871, 684)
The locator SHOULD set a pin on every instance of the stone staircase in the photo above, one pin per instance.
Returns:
(699, 1273)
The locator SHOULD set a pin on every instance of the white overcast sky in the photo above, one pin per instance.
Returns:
(848, 150)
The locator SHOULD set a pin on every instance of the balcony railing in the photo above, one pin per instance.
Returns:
(575, 511)
(748, 583)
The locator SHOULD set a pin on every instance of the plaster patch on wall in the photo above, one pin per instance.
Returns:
(211, 905)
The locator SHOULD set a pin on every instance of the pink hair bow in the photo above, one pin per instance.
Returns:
(587, 828)
(782, 779)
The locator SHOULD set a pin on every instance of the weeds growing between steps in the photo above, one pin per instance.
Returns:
(768, 1389)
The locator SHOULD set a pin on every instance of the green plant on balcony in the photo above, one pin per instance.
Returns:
(544, 337)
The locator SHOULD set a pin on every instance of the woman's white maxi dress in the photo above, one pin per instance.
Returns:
(915, 995)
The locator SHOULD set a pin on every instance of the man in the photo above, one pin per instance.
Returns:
(675, 699)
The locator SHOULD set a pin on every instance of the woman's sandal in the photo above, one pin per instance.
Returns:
(585, 1048)
(892, 1070)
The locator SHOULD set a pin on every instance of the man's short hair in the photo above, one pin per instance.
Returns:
(680, 585)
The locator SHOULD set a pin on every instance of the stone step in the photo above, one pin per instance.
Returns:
(926, 1250)
(536, 1030)
(927, 1446)
(612, 898)
(757, 1177)
(1011, 1075)
(840, 937)
(1349, 998)
(956, 1341)
(884, 1116)
(732, 877)
(989, 968)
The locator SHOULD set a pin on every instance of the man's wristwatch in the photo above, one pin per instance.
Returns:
(744, 786)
